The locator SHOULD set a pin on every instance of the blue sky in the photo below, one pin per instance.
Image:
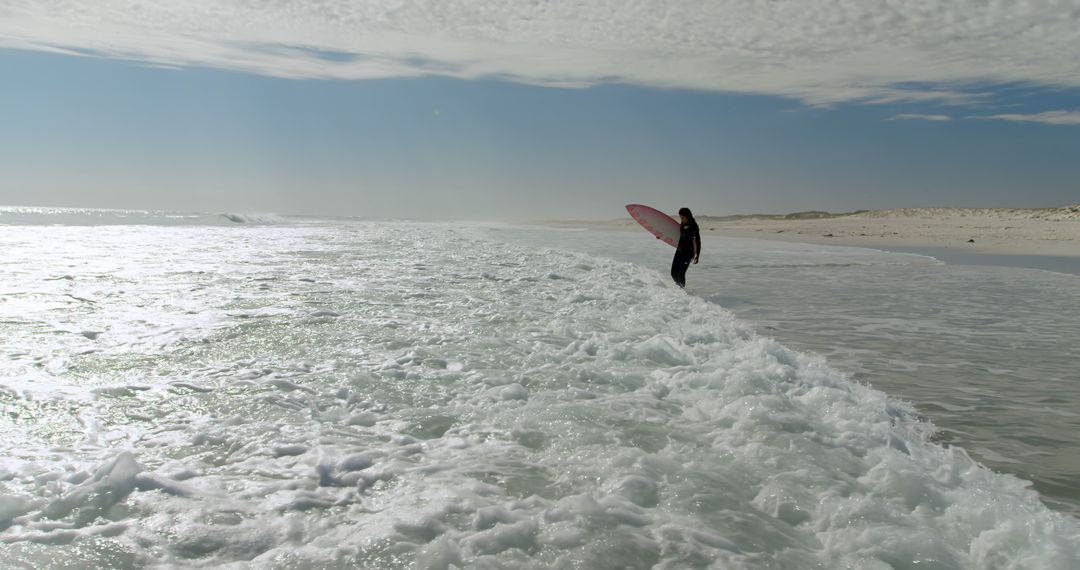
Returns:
(313, 131)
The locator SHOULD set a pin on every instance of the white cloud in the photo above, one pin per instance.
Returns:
(919, 117)
(1049, 117)
(819, 51)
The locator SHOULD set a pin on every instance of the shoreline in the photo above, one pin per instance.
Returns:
(1053, 232)
(1037, 238)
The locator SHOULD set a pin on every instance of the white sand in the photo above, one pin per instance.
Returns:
(1042, 231)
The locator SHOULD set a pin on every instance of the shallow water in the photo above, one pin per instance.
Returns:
(985, 352)
(393, 395)
(958, 256)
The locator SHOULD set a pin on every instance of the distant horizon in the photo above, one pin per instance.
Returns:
(621, 207)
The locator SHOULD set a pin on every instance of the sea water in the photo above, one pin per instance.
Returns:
(988, 353)
(258, 392)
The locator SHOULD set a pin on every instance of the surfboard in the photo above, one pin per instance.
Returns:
(659, 224)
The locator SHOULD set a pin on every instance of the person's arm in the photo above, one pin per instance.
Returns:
(697, 244)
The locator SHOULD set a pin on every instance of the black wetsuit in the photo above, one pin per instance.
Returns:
(689, 241)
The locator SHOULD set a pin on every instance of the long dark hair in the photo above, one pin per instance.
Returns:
(686, 212)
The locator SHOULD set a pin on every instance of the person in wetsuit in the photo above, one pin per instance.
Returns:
(689, 246)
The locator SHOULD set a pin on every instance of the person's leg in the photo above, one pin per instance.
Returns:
(679, 264)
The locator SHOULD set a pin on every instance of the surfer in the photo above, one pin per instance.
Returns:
(689, 246)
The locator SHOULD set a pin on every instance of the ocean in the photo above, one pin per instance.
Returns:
(258, 391)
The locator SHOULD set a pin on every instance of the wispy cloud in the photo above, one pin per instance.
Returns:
(1048, 117)
(819, 51)
(920, 117)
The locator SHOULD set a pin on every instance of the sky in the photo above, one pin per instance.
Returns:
(533, 109)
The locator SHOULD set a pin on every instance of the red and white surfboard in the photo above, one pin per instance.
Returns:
(659, 224)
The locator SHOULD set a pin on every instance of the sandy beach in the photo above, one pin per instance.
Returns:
(1000, 231)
